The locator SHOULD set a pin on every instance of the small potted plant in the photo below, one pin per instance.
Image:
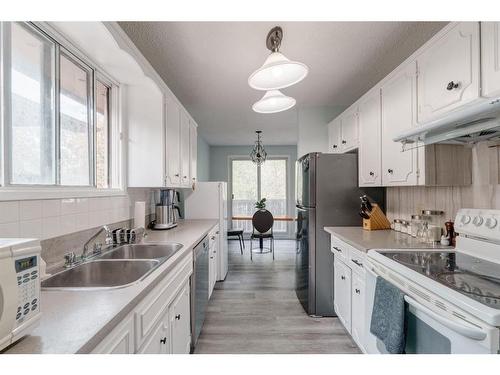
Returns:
(261, 205)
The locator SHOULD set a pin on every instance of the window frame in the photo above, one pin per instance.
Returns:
(116, 149)
(289, 233)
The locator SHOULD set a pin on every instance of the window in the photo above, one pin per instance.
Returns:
(32, 103)
(102, 134)
(75, 122)
(58, 114)
(250, 183)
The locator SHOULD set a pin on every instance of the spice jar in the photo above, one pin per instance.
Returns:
(397, 225)
(416, 225)
(405, 226)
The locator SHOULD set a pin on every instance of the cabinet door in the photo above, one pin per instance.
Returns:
(180, 323)
(334, 136)
(184, 149)
(342, 293)
(159, 341)
(193, 147)
(370, 156)
(349, 130)
(358, 309)
(398, 114)
(119, 341)
(490, 58)
(173, 143)
(448, 72)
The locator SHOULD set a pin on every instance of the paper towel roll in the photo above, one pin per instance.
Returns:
(140, 214)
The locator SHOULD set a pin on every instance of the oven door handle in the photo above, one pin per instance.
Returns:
(463, 329)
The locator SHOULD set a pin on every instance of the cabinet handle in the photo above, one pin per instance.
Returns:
(185, 176)
(357, 262)
(213, 237)
(334, 146)
(344, 141)
(336, 248)
(177, 175)
(178, 317)
(452, 85)
(163, 340)
(357, 291)
(390, 171)
(372, 174)
(211, 257)
(342, 277)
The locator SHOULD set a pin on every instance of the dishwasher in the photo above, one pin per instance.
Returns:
(199, 289)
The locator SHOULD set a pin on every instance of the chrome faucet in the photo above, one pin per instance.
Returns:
(108, 241)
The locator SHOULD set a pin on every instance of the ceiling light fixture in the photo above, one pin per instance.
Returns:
(273, 101)
(258, 154)
(277, 72)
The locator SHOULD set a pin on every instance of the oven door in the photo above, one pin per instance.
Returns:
(429, 332)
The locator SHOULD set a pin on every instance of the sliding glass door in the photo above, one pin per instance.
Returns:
(250, 183)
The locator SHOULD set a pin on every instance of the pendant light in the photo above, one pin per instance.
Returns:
(258, 154)
(278, 71)
(273, 101)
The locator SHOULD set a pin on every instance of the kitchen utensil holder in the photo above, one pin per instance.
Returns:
(377, 220)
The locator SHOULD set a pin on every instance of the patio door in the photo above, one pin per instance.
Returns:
(250, 183)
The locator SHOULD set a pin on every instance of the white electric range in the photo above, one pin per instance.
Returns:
(453, 296)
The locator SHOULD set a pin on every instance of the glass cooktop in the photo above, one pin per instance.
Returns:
(474, 277)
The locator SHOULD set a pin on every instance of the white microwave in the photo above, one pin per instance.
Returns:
(19, 288)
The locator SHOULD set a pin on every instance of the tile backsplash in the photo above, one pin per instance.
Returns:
(484, 192)
(49, 218)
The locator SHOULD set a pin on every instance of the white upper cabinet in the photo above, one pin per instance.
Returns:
(193, 147)
(398, 114)
(173, 175)
(370, 157)
(334, 136)
(349, 129)
(145, 129)
(448, 72)
(490, 59)
(185, 152)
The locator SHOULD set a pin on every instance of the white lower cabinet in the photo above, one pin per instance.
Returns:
(358, 309)
(342, 293)
(349, 289)
(180, 325)
(160, 324)
(213, 260)
(159, 341)
(120, 340)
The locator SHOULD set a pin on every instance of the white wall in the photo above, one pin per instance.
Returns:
(313, 130)
(48, 218)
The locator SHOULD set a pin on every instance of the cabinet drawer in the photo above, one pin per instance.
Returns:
(155, 304)
(339, 249)
(357, 260)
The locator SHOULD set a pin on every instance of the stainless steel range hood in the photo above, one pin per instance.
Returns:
(475, 123)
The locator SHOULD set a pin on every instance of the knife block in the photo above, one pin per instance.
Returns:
(377, 220)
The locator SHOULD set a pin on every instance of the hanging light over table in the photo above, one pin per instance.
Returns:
(258, 154)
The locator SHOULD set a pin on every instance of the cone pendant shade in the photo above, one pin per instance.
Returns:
(274, 101)
(277, 72)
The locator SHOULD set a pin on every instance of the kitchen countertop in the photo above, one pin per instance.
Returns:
(365, 240)
(76, 321)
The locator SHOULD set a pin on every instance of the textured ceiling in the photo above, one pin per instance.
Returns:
(207, 64)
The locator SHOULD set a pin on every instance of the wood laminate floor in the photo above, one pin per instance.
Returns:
(255, 310)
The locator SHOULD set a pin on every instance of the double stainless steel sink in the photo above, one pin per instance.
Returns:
(116, 268)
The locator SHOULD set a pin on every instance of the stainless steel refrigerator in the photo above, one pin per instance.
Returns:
(327, 195)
